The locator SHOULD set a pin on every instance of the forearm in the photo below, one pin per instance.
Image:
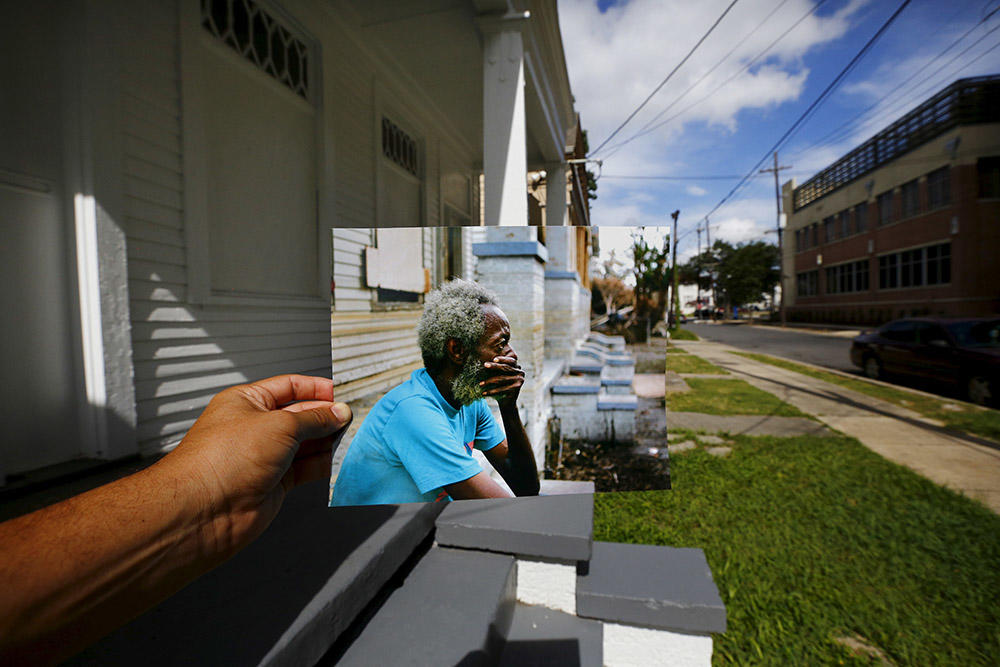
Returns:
(74, 571)
(520, 471)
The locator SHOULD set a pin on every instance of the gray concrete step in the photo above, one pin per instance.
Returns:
(557, 527)
(455, 607)
(653, 586)
(541, 637)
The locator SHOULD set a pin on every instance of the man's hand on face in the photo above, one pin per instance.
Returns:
(504, 380)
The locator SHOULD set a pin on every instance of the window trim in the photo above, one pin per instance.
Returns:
(923, 269)
(194, 160)
(383, 107)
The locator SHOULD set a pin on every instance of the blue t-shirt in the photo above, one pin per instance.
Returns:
(411, 444)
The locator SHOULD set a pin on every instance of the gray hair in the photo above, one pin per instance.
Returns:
(452, 311)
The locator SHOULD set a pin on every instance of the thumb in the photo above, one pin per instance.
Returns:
(320, 422)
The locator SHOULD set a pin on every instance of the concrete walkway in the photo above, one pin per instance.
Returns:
(967, 464)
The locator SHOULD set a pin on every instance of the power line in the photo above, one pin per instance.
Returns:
(746, 67)
(663, 83)
(817, 102)
(836, 132)
(715, 66)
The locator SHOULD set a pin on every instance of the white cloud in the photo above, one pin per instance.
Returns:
(695, 191)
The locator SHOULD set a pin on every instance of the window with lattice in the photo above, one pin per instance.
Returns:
(259, 37)
(399, 147)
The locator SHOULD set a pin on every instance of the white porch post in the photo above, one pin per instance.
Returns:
(556, 211)
(505, 160)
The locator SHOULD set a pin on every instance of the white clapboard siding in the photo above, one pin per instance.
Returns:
(183, 354)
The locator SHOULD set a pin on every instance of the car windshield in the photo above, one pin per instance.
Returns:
(976, 334)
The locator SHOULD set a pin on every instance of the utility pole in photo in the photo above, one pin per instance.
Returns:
(697, 280)
(675, 304)
(781, 257)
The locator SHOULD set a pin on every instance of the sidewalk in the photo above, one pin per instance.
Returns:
(966, 464)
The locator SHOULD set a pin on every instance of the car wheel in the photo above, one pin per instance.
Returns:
(873, 367)
(979, 390)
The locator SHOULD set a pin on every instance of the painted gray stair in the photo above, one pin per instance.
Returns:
(617, 379)
(654, 586)
(555, 527)
(584, 364)
(541, 637)
(455, 607)
(611, 342)
(287, 596)
(577, 384)
(609, 401)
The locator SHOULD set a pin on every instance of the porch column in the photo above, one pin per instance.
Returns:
(505, 160)
(512, 264)
(556, 211)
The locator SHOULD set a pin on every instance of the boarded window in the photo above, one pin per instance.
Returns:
(395, 265)
(910, 192)
(939, 188)
(884, 203)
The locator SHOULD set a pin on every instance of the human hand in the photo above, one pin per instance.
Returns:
(504, 381)
(253, 444)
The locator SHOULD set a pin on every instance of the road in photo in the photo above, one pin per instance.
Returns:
(829, 351)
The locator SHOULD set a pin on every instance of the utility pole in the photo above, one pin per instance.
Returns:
(697, 281)
(711, 276)
(675, 306)
(777, 225)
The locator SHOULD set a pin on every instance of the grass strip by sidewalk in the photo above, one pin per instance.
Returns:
(681, 333)
(692, 364)
(728, 397)
(810, 539)
(967, 418)
(675, 350)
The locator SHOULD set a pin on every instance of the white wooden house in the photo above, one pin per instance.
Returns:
(170, 170)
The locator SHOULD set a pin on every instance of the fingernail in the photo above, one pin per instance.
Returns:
(341, 411)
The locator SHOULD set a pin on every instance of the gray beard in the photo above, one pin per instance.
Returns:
(465, 387)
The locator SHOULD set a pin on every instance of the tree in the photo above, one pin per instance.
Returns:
(609, 289)
(746, 272)
(652, 277)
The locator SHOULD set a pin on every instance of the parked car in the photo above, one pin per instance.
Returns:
(961, 353)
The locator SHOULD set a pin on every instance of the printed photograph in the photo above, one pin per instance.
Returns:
(496, 362)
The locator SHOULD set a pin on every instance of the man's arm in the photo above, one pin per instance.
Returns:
(75, 571)
(477, 486)
(513, 458)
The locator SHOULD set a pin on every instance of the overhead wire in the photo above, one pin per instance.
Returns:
(714, 67)
(667, 78)
(823, 96)
(837, 132)
(746, 67)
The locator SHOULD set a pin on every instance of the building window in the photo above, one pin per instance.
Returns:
(884, 203)
(798, 240)
(939, 188)
(849, 277)
(257, 36)
(814, 235)
(829, 231)
(917, 267)
(861, 217)
(939, 264)
(399, 147)
(988, 169)
(808, 283)
(844, 220)
(910, 192)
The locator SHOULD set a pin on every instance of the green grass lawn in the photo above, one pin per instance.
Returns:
(675, 350)
(967, 418)
(728, 397)
(691, 364)
(810, 539)
(681, 333)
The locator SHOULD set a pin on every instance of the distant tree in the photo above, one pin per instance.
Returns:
(652, 277)
(746, 272)
(608, 289)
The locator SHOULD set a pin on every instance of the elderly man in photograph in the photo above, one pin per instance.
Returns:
(416, 443)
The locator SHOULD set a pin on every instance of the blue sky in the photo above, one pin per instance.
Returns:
(618, 51)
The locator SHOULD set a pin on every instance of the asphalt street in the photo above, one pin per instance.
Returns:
(812, 348)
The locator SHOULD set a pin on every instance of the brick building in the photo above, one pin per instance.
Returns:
(906, 224)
